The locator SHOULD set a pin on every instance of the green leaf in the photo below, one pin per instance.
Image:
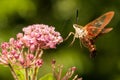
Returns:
(20, 74)
(48, 76)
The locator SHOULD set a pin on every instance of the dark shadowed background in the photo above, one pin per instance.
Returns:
(16, 14)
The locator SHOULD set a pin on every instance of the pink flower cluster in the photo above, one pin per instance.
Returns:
(12, 55)
(41, 36)
(26, 50)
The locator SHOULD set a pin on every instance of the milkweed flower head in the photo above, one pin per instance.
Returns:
(41, 36)
(26, 50)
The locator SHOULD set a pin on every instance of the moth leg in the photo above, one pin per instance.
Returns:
(72, 41)
(80, 42)
(69, 35)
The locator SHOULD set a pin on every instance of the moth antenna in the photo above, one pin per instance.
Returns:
(77, 18)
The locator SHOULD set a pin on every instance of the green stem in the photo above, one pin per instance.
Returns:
(35, 73)
(13, 72)
(26, 74)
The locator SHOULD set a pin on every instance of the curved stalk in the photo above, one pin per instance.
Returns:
(13, 72)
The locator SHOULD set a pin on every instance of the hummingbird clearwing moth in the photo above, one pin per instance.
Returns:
(91, 31)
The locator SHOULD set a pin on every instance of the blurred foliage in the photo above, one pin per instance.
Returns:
(15, 14)
(48, 76)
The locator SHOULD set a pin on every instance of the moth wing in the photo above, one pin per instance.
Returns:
(95, 27)
(106, 30)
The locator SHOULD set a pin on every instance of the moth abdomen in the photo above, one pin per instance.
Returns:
(93, 53)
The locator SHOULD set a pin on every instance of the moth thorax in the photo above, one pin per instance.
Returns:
(79, 32)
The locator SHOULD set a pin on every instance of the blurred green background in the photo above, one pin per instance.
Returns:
(16, 14)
